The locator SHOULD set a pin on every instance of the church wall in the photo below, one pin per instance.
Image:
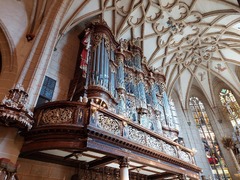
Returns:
(191, 137)
(63, 63)
(15, 19)
(37, 170)
(9, 65)
(221, 124)
(14, 22)
(220, 128)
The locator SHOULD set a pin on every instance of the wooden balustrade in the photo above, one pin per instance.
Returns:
(93, 116)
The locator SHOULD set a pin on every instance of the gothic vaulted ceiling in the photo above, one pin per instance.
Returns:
(191, 41)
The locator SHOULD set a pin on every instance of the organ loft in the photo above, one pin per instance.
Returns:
(117, 117)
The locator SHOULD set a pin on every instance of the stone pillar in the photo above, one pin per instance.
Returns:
(182, 177)
(38, 60)
(10, 143)
(14, 117)
(124, 173)
(192, 140)
(223, 128)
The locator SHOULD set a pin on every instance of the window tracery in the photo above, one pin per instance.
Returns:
(211, 147)
(231, 111)
(231, 107)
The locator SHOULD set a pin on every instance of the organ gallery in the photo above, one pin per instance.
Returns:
(117, 107)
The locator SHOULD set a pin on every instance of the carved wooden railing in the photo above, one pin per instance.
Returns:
(61, 113)
(93, 116)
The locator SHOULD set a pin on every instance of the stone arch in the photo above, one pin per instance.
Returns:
(218, 85)
(8, 71)
(237, 71)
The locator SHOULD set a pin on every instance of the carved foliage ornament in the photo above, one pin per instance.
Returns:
(58, 116)
(137, 135)
(196, 52)
(13, 110)
(109, 124)
(154, 143)
(168, 149)
(7, 169)
(184, 156)
(97, 38)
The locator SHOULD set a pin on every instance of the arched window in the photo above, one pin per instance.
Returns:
(231, 108)
(210, 143)
(174, 114)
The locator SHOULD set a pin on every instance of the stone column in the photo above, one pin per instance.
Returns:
(38, 60)
(10, 143)
(14, 117)
(124, 173)
(222, 128)
(182, 177)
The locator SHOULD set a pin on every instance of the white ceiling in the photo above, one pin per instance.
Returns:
(190, 41)
(90, 156)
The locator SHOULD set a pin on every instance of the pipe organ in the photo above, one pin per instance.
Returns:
(117, 107)
(115, 75)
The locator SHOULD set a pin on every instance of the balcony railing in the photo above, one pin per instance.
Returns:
(93, 116)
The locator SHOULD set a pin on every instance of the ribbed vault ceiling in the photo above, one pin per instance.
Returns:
(190, 41)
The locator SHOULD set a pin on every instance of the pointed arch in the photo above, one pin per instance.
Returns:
(8, 62)
(209, 140)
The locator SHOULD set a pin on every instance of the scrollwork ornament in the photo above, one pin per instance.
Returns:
(109, 124)
(124, 162)
(58, 116)
(184, 156)
(168, 149)
(96, 40)
(137, 135)
(107, 43)
(197, 60)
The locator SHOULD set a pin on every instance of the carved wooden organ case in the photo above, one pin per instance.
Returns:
(115, 76)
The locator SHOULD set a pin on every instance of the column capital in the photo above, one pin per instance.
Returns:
(124, 162)
(182, 177)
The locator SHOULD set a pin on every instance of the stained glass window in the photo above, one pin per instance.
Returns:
(231, 108)
(47, 90)
(174, 115)
(213, 153)
(231, 111)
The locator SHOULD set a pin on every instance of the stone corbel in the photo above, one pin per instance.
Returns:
(8, 169)
(13, 110)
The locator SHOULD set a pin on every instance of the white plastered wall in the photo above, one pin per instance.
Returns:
(63, 63)
(190, 135)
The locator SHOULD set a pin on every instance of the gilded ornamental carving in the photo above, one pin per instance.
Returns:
(169, 149)
(109, 124)
(137, 135)
(58, 116)
(184, 156)
(13, 109)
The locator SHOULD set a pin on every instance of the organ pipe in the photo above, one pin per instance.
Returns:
(115, 66)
